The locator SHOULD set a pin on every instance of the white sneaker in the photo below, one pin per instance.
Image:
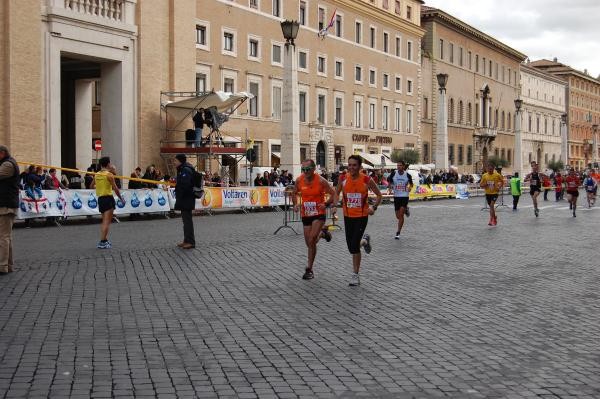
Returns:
(397, 236)
(366, 243)
(354, 280)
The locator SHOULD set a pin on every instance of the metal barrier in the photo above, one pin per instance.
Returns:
(290, 216)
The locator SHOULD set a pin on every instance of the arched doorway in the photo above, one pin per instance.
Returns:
(320, 158)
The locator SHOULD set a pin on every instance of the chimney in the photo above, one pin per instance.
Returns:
(555, 59)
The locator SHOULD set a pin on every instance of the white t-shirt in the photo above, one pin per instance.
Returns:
(400, 184)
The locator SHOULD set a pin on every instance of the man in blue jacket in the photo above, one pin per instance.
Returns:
(185, 201)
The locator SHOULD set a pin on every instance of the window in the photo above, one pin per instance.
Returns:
(338, 111)
(509, 156)
(253, 3)
(425, 152)
(302, 13)
(358, 32)
(321, 108)
(398, 84)
(398, 47)
(409, 51)
(509, 77)
(201, 35)
(398, 118)
(384, 118)
(484, 66)
(408, 12)
(339, 69)
(371, 116)
(358, 74)
(490, 69)
(277, 8)
(253, 48)
(228, 85)
(497, 71)
(301, 60)
(469, 155)
(200, 83)
(372, 39)
(409, 87)
(386, 44)
(451, 153)
(276, 102)
(338, 25)
(358, 113)
(321, 18)
(228, 42)
(461, 150)
(451, 111)
(425, 108)
(469, 114)
(372, 77)
(476, 63)
(302, 106)
(460, 57)
(451, 51)
(441, 49)
(461, 112)
(386, 82)
(470, 55)
(397, 8)
(276, 54)
(409, 121)
(321, 65)
(253, 107)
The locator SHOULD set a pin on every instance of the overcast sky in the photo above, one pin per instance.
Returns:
(568, 30)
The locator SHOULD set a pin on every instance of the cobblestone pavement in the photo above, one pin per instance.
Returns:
(453, 309)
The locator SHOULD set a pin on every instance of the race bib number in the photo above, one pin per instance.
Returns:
(400, 187)
(354, 200)
(491, 184)
(534, 182)
(310, 208)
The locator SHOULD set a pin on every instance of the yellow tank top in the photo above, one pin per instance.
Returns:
(103, 186)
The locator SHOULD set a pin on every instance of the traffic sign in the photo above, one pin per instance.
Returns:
(97, 145)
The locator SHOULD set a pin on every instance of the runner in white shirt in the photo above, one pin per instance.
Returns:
(400, 183)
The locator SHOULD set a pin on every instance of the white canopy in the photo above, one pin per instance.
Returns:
(375, 160)
(220, 99)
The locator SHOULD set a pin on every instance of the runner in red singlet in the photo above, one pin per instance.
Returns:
(309, 196)
(573, 184)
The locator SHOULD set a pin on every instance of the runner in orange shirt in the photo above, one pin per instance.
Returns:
(312, 190)
(573, 184)
(355, 195)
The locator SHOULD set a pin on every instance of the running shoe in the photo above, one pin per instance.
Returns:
(495, 221)
(537, 212)
(407, 212)
(326, 234)
(491, 222)
(308, 275)
(354, 280)
(104, 245)
(367, 243)
(397, 237)
(574, 215)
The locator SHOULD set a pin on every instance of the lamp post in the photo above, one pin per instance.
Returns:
(594, 145)
(290, 118)
(564, 147)
(518, 167)
(441, 141)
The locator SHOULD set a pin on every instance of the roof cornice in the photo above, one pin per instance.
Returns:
(428, 13)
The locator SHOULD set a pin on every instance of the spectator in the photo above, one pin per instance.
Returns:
(88, 179)
(277, 182)
(266, 179)
(52, 182)
(216, 180)
(64, 179)
(135, 185)
(33, 189)
(198, 126)
(150, 175)
(9, 203)
(74, 181)
(113, 169)
(258, 180)
(185, 200)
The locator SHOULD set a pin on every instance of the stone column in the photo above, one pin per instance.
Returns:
(564, 146)
(518, 167)
(83, 123)
(594, 144)
(441, 152)
(290, 118)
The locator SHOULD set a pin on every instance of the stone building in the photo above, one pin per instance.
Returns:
(583, 116)
(544, 104)
(482, 85)
(80, 70)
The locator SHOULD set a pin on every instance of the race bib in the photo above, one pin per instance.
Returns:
(310, 208)
(534, 182)
(400, 187)
(491, 184)
(353, 200)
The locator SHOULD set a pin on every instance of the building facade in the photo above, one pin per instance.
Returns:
(544, 103)
(583, 116)
(77, 71)
(481, 89)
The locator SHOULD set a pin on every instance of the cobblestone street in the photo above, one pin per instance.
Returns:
(454, 309)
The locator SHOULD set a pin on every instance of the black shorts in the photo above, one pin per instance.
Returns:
(308, 220)
(592, 191)
(355, 229)
(106, 203)
(534, 189)
(491, 198)
(573, 193)
(400, 202)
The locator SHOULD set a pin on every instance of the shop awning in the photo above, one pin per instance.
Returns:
(375, 160)
(220, 99)
(276, 154)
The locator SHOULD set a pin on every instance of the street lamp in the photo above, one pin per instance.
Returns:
(441, 141)
(518, 138)
(564, 150)
(290, 31)
(290, 117)
(594, 144)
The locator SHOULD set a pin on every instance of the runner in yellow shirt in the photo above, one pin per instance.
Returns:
(492, 183)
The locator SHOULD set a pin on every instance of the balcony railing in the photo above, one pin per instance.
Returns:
(115, 13)
(111, 9)
(486, 132)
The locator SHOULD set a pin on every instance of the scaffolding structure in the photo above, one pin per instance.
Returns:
(177, 110)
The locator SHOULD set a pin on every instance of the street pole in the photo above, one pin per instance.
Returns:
(290, 118)
(564, 146)
(441, 142)
(518, 139)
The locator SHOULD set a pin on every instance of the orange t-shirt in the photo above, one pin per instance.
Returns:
(355, 196)
(312, 195)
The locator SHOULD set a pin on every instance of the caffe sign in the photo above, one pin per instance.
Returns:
(365, 138)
